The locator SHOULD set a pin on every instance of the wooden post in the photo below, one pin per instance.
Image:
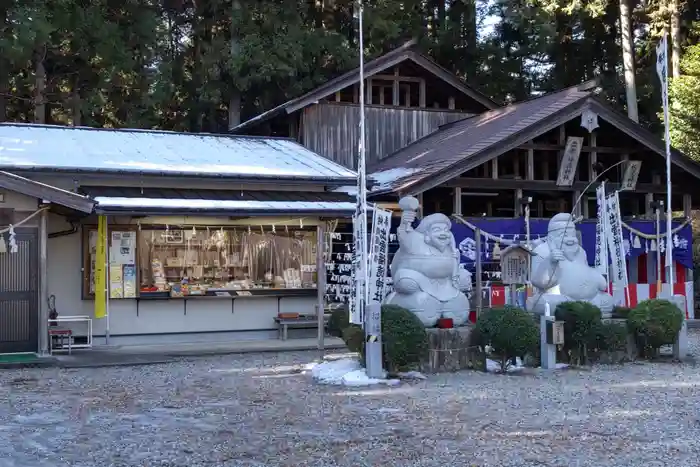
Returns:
(530, 164)
(592, 158)
(648, 211)
(479, 297)
(458, 201)
(576, 207)
(396, 89)
(494, 168)
(562, 142)
(451, 102)
(320, 284)
(43, 284)
(518, 197)
(421, 94)
(368, 99)
(687, 205)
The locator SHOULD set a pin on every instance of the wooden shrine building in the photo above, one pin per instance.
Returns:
(432, 136)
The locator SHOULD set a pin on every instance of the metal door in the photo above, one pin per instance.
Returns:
(19, 285)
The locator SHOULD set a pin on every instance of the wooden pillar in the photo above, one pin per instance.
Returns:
(451, 103)
(577, 208)
(648, 211)
(562, 142)
(320, 284)
(687, 205)
(368, 91)
(421, 93)
(396, 90)
(592, 157)
(43, 284)
(494, 168)
(355, 94)
(516, 165)
(457, 201)
(518, 207)
(530, 175)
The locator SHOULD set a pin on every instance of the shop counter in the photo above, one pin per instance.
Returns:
(240, 310)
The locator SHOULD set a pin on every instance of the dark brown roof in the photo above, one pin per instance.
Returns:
(388, 60)
(465, 144)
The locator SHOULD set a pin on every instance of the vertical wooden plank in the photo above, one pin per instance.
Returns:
(576, 207)
(381, 95)
(458, 201)
(356, 94)
(516, 165)
(368, 99)
(648, 211)
(337, 96)
(451, 102)
(494, 168)
(489, 209)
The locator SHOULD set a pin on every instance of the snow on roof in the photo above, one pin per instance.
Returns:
(385, 178)
(48, 147)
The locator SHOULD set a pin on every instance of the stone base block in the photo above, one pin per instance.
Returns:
(450, 350)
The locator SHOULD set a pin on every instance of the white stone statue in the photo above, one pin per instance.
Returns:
(560, 271)
(425, 271)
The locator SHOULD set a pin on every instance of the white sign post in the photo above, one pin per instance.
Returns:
(601, 243)
(662, 71)
(379, 254)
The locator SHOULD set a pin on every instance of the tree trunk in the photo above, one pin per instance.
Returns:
(628, 59)
(234, 103)
(39, 86)
(76, 104)
(4, 66)
(675, 39)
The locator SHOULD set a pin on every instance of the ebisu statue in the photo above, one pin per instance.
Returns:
(425, 271)
(560, 271)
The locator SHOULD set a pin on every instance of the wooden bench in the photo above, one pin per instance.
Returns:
(300, 322)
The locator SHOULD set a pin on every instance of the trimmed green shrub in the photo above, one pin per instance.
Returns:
(354, 338)
(655, 323)
(581, 322)
(338, 321)
(404, 339)
(609, 338)
(510, 331)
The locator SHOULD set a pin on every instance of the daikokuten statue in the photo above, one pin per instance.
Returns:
(425, 270)
(560, 271)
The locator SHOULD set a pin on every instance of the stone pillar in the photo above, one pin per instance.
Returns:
(548, 353)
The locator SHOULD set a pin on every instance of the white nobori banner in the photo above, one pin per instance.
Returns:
(356, 316)
(616, 244)
(601, 244)
(379, 254)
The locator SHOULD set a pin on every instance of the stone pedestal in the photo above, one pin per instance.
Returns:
(450, 350)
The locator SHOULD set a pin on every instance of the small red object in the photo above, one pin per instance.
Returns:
(445, 323)
(472, 316)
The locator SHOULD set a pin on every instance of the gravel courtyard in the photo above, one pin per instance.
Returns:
(260, 410)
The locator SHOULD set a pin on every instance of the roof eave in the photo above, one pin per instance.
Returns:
(240, 178)
(41, 191)
(130, 211)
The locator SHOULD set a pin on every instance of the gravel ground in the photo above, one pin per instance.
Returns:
(260, 410)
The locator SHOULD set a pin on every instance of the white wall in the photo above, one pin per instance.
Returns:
(19, 202)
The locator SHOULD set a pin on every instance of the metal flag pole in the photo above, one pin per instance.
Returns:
(662, 71)
(373, 353)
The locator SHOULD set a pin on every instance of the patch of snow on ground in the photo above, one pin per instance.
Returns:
(346, 372)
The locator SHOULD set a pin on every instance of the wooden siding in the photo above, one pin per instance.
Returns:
(333, 130)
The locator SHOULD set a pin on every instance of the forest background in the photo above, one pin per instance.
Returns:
(201, 65)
